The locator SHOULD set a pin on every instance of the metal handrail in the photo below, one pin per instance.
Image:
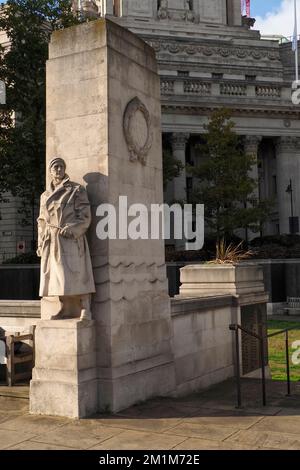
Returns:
(235, 327)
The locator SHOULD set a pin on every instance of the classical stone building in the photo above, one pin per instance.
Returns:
(210, 56)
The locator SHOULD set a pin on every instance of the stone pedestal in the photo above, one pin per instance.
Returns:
(64, 379)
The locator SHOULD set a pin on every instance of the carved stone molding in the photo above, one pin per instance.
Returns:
(236, 111)
(179, 140)
(137, 130)
(205, 50)
(287, 144)
(251, 143)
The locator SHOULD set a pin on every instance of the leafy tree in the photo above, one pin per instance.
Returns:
(224, 184)
(28, 25)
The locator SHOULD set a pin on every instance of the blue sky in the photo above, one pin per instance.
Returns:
(275, 17)
(261, 7)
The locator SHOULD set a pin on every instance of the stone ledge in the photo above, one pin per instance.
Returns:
(182, 305)
(20, 308)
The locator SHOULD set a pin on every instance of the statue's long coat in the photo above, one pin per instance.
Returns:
(65, 265)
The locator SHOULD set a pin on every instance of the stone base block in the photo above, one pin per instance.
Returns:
(63, 399)
(121, 391)
(64, 380)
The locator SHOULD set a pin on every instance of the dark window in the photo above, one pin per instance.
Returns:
(217, 76)
(183, 73)
(274, 178)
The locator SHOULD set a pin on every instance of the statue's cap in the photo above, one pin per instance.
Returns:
(56, 160)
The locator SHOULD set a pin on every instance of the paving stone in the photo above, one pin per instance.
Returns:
(204, 444)
(266, 439)
(283, 424)
(141, 424)
(229, 420)
(9, 438)
(135, 440)
(34, 424)
(217, 433)
(290, 412)
(32, 445)
(159, 410)
(8, 416)
(77, 435)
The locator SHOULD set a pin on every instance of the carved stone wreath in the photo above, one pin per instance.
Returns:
(137, 130)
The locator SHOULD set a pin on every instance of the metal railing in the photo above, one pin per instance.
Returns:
(235, 327)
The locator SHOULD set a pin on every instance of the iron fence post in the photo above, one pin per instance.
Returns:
(288, 378)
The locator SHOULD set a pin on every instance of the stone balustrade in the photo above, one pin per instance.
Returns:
(233, 89)
(268, 91)
(167, 86)
(202, 88)
(197, 86)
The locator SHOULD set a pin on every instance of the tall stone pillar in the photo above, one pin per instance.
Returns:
(179, 141)
(251, 144)
(288, 168)
(104, 120)
(251, 148)
(234, 17)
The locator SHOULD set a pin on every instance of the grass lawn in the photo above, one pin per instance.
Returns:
(277, 349)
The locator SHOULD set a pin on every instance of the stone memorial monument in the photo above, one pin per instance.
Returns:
(104, 121)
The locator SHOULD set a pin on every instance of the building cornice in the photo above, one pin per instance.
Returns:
(283, 113)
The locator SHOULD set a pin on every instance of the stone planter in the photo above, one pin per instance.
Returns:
(202, 280)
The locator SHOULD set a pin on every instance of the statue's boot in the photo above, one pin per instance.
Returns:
(85, 314)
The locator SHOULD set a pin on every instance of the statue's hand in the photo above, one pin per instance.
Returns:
(39, 252)
(66, 232)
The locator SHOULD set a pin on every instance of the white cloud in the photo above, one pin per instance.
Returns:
(279, 21)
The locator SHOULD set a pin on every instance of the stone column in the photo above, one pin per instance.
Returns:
(234, 16)
(288, 168)
(179, 141)
(251, 148)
